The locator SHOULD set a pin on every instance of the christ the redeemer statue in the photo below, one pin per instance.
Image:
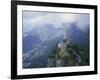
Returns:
(62, 46)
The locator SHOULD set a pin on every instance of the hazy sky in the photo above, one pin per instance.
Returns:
(32, 19)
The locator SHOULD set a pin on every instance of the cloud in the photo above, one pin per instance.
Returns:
(32, 14)
(30, 19)
(83, 21)
(33, 19)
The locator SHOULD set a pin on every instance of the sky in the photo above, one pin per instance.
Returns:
(32, 19)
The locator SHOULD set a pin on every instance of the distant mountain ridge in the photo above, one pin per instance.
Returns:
(46, 31)
(77, 35)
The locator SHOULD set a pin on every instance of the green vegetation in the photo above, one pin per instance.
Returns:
(68, 58)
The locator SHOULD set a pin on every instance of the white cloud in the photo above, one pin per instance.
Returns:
(83, 21)
(32, 19)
